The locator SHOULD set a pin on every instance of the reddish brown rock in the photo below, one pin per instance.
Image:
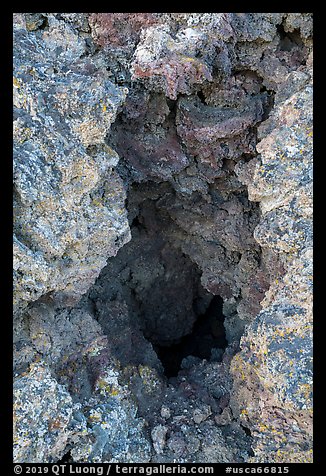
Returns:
(119, 29)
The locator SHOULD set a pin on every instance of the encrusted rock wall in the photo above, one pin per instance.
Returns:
(69, 201)
(273, 372)
(185, 142)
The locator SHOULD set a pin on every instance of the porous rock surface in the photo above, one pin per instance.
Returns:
(161, 160)
(69, 202)
(276, 348)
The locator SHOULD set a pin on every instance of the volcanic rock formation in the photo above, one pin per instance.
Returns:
(163, 237)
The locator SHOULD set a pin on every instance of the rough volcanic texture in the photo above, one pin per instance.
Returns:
(162, 248)
(69, 211)
(276, 347)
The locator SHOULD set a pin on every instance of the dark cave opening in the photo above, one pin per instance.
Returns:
(202, 98)
(289, 40)
(156, 310)
(292, 51)
(208, 333)
(136, 339)
(66, 458)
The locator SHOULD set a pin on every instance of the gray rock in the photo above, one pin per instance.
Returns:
(69, 214)
(201, 414)
(158, 434)
(162, 159)
(41, 423)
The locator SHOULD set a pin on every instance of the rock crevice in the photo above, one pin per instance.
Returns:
(162, 237)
